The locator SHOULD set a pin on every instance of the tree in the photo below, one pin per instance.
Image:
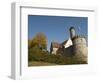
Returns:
(29, 43)
(39, 41)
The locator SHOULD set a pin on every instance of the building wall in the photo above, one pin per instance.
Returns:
(80, 49)
(68, 51)
(54, 51)
(79, 40)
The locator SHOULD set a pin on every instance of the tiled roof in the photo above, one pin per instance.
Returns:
(56, 45)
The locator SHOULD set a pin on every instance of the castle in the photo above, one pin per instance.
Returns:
(75, 46)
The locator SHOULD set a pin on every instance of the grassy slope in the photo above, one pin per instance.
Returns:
(39, 63)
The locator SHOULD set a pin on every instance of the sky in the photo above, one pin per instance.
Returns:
(56, 28)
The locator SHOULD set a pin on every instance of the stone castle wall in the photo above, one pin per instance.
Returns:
(80, 48)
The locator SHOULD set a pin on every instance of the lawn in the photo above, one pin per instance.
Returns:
(39, 63)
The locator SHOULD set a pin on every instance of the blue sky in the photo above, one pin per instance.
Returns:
(56, 28)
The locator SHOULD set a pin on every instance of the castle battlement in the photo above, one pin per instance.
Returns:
(78, 36)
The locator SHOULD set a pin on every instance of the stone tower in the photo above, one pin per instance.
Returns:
(72, 32)
(80, 50)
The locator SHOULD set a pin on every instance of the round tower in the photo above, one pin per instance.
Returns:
(72, 32)
(80, 50)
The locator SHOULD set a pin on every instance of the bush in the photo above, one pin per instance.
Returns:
(35, 54)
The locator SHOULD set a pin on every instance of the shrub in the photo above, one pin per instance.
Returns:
(36, 54)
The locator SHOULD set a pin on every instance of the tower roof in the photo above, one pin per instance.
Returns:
(72, 27)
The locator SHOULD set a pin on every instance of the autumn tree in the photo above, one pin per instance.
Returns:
(29, 43)
(39, 41)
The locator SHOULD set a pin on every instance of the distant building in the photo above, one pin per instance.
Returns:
(54, 47)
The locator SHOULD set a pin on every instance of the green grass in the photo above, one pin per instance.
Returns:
(39, 63)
